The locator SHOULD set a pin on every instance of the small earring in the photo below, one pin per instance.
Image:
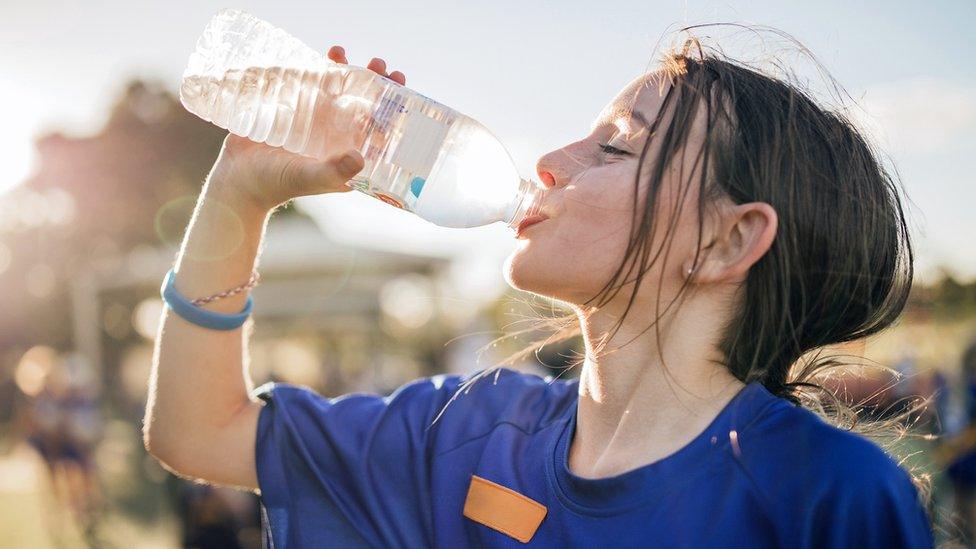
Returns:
(690, 270)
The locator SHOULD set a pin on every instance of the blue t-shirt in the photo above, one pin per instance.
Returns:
(366, 470)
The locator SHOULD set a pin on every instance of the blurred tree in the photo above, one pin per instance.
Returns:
(93, 197)
(946, 298)
(953, 297)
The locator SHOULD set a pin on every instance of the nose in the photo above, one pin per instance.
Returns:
(547, 178)
(548, 169)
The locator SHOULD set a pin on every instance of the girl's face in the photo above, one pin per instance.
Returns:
(590, 204)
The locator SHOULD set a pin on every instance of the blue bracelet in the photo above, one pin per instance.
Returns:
(199, 316)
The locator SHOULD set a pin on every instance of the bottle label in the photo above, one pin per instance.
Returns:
(420, 144)
(413, 192)
(389, 199)
(417, 139)
(388, 109)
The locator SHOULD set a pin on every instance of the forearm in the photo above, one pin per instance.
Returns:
(199, 380)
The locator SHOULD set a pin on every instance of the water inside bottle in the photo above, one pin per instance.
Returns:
(421, 156)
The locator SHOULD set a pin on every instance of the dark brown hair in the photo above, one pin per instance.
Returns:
(841, 265)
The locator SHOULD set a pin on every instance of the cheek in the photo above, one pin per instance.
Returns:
(599, 209)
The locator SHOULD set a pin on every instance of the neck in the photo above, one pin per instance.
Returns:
(640, 401)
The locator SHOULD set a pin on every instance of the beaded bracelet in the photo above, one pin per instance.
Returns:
(198, 315)
(251, 282)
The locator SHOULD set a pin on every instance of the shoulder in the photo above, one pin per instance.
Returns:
(484, 400)
(811, 473)
(796, 439)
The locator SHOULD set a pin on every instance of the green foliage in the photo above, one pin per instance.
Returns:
(947, 298)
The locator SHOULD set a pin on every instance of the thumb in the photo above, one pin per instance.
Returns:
(331, 174)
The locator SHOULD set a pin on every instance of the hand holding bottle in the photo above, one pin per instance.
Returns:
(261, 176)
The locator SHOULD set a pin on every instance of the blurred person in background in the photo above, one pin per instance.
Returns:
(212, 517)
(714, 228)
(63, 423)
(959, 452)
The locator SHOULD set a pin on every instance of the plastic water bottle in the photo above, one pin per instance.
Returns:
(257, 81)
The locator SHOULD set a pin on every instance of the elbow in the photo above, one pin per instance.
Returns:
(196, 451)
(169, 448)
(165, 438)
(157, 443)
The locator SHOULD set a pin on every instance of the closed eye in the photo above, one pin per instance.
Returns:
(614, 150)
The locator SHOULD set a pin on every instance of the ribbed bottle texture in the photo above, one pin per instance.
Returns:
(259, 82)
(253, 79)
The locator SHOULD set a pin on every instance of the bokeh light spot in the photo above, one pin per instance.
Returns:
(145, 319)
(172, 218)
(33, 369)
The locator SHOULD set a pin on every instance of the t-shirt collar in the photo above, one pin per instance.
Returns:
(647, 483)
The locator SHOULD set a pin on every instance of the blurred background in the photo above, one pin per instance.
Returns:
(101, 167)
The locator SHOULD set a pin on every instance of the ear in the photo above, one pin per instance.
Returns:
(743, 234)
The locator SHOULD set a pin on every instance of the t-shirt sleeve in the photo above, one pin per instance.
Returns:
(880, 510)
(348, 471)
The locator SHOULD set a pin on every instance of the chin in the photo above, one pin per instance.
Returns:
(553, 276)
(519, 271)
(513, 271)
(529, 273)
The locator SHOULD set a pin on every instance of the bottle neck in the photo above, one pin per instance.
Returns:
(527, 202)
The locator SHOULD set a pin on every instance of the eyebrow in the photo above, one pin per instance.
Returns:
(637, 115)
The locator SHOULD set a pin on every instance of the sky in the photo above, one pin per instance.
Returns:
(536, 73)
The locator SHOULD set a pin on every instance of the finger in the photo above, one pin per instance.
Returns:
(329, 175)
(377, 65)
(338, 54)
(398, 77)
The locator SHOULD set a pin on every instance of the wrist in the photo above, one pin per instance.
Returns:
(232, 191)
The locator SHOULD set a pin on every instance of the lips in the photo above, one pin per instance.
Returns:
(529, 221)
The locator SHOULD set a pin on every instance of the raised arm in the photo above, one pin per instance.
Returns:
(200, 421)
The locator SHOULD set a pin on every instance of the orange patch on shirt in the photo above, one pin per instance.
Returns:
(503, 509)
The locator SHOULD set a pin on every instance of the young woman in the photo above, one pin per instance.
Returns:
(714, 227)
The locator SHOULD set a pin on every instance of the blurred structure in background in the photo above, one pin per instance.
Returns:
(88, 207)
(84, 244)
